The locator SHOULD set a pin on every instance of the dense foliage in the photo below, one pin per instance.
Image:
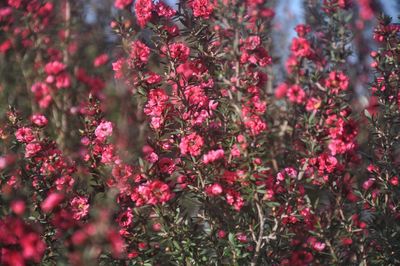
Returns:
(180, 144)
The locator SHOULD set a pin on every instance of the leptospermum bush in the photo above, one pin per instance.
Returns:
(231, 167)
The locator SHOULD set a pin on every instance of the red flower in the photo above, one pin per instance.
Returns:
(32, 149)
(234, 199)
(202, 8)
(24, 134)
(52, 201)
(20, 244)
(14, 3)
(5, 46)
(118, 68)
(125, 218)
(167, 165)
(33, 247)
(80, 207)
(18, 207)
(302, 30)
(121, 4)
(191, 144)
(296, 94)
(103, 130)
(178, 51)
(54, 68)
(139, 53)
(101, 59)
(152, 192)
(157, 99)
(39, 120)
(196, 96)
(164, 10)
(301, 47)
(281, 90)
(214, 189)
(143, 9)
(213, 156)
(337, 81)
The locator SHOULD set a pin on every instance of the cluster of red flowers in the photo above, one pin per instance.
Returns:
(21, 244)
(232, 169)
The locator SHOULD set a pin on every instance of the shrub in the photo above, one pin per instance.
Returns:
(231, 165)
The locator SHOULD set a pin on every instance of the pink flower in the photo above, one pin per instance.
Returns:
(302, 30)
(296, 94)
(42, 94)
(63, 80)
(25, 135)
(368, 183)
(103, 130)
(117, 243)
(125, 218)
(139, 53)
(103, 58)
(143, 9)
(5, 46)
(191, 144)
(235, 151)
(152, 157)
(52, 201)
(152, 193)
(221, 234)
(18, 207)
(156, 103)
(255, 124)
(164, 10)
(319, 246)
(313, 104)
(234, 199)
(32, 149)
(214, 189)
(153, 78)
(39, 120)
(54, 68)
(202, 8)
(213, 156)
(80, 207)
(241, 237)
(156, 227)
(337, 81)
(121, 4)
(14, 3)
(346, 241)
(301, 47)
(133, 254)
(394, 181)
(252, 42)
(196, 96)
(33, 247)
(107, 155)
(118, 66)
(281, 90)
(167, 165)
(65, 182)
(178, 51)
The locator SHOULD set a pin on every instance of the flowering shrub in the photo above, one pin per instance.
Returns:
(231, 165)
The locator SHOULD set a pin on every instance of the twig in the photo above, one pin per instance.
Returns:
(260, 239)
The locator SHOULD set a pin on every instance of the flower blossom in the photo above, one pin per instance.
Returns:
(103, 130)
(191, 144)
(80, 207)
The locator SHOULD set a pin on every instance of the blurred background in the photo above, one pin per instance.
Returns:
(91, 35)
